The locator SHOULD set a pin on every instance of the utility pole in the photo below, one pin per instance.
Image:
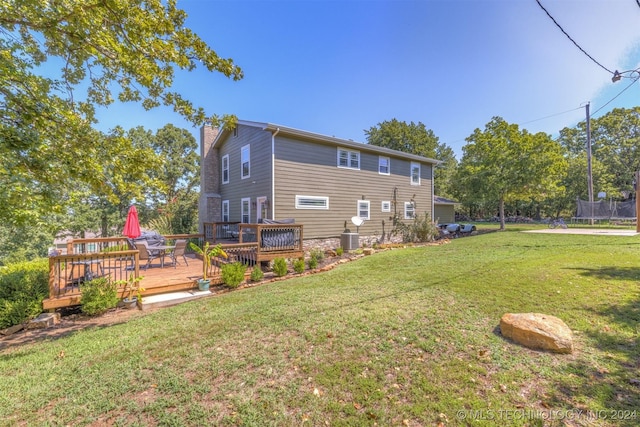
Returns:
(589, 171)
(637, 180)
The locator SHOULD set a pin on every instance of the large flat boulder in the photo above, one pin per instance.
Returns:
(537, 331)
(44, 320)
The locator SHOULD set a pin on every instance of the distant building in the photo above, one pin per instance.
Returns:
(445, 210)
(61, 240)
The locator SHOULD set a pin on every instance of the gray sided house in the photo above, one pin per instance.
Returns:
(263, 171)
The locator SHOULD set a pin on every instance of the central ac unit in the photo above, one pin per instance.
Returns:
(350, 241)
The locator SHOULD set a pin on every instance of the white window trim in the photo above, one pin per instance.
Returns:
(415, 165)
(368, 204)
(413, 208)
(388, 172)
(225, 208)
(248, 175)
(247, 212)
(323, 199)
(225, 158)
(385, 206)
(349, 153)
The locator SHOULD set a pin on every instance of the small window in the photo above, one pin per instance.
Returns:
(225, 169)
(235, 132)
(386, 206)
(348, 159)
(225, 211)
(383, 165)
(409, 210)
(245, 157)
(363, 209)
(415, 173)
(312, 202)
(246, 210)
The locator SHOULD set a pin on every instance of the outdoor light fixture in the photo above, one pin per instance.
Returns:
(616, 76)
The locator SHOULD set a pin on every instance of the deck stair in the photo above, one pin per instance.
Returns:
(172, 298)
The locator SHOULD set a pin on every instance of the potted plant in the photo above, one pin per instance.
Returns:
(207, 252)
(131, 287)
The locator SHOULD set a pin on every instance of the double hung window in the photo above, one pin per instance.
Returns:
(245, 161)
(348, 158)
(225, 169)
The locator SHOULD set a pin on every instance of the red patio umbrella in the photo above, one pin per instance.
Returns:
(131, 225)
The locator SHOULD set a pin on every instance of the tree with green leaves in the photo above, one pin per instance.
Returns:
(416, 139)
(127, 50)
(179, 172)
(615, 140)
(503, 163)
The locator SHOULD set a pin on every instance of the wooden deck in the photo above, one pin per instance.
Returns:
(65, 288)
(109, 257)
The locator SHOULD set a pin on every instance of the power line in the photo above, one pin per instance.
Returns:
(552, 115)
(621, 92)
(572, 40)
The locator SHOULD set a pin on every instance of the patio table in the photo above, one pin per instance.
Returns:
(163, 252)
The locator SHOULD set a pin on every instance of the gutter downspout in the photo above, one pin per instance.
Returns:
(273, 173)
(433, 196)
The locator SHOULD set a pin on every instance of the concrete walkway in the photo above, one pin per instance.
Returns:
(594, 231)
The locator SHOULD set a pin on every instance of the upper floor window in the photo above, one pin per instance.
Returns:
(386, 206)
(225, 169)
(235, 131)
(415, 173)
(364, 209)
(245, 161)
(348, 159)
(384, 165)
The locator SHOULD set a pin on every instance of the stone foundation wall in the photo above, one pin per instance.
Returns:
(334, 242)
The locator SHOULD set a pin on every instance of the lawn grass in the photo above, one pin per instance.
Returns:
(402, 337)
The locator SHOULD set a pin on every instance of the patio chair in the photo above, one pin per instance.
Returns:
(146, 254)
(181, 246)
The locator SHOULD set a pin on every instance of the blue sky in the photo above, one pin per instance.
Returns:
(340, 67)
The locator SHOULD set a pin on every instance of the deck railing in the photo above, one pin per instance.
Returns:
(107, 244)
(96, 245)
(68, 272)
(244, 253)
(110, 257)
(272, 240)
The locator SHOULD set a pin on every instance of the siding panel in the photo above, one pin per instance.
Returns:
(306, 168)
(259, 182)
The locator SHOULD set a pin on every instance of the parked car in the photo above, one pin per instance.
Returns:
(467, 228)
(451, 228)
(456, 229)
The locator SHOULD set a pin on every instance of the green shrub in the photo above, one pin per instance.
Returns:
(298, 265)
(313, 263)
(23, 286)
(256, 274)
(339, 251)
(422, 229)
(116, 248)
(233, 274)
(317, 253)
(98, 296)
(280, 267)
